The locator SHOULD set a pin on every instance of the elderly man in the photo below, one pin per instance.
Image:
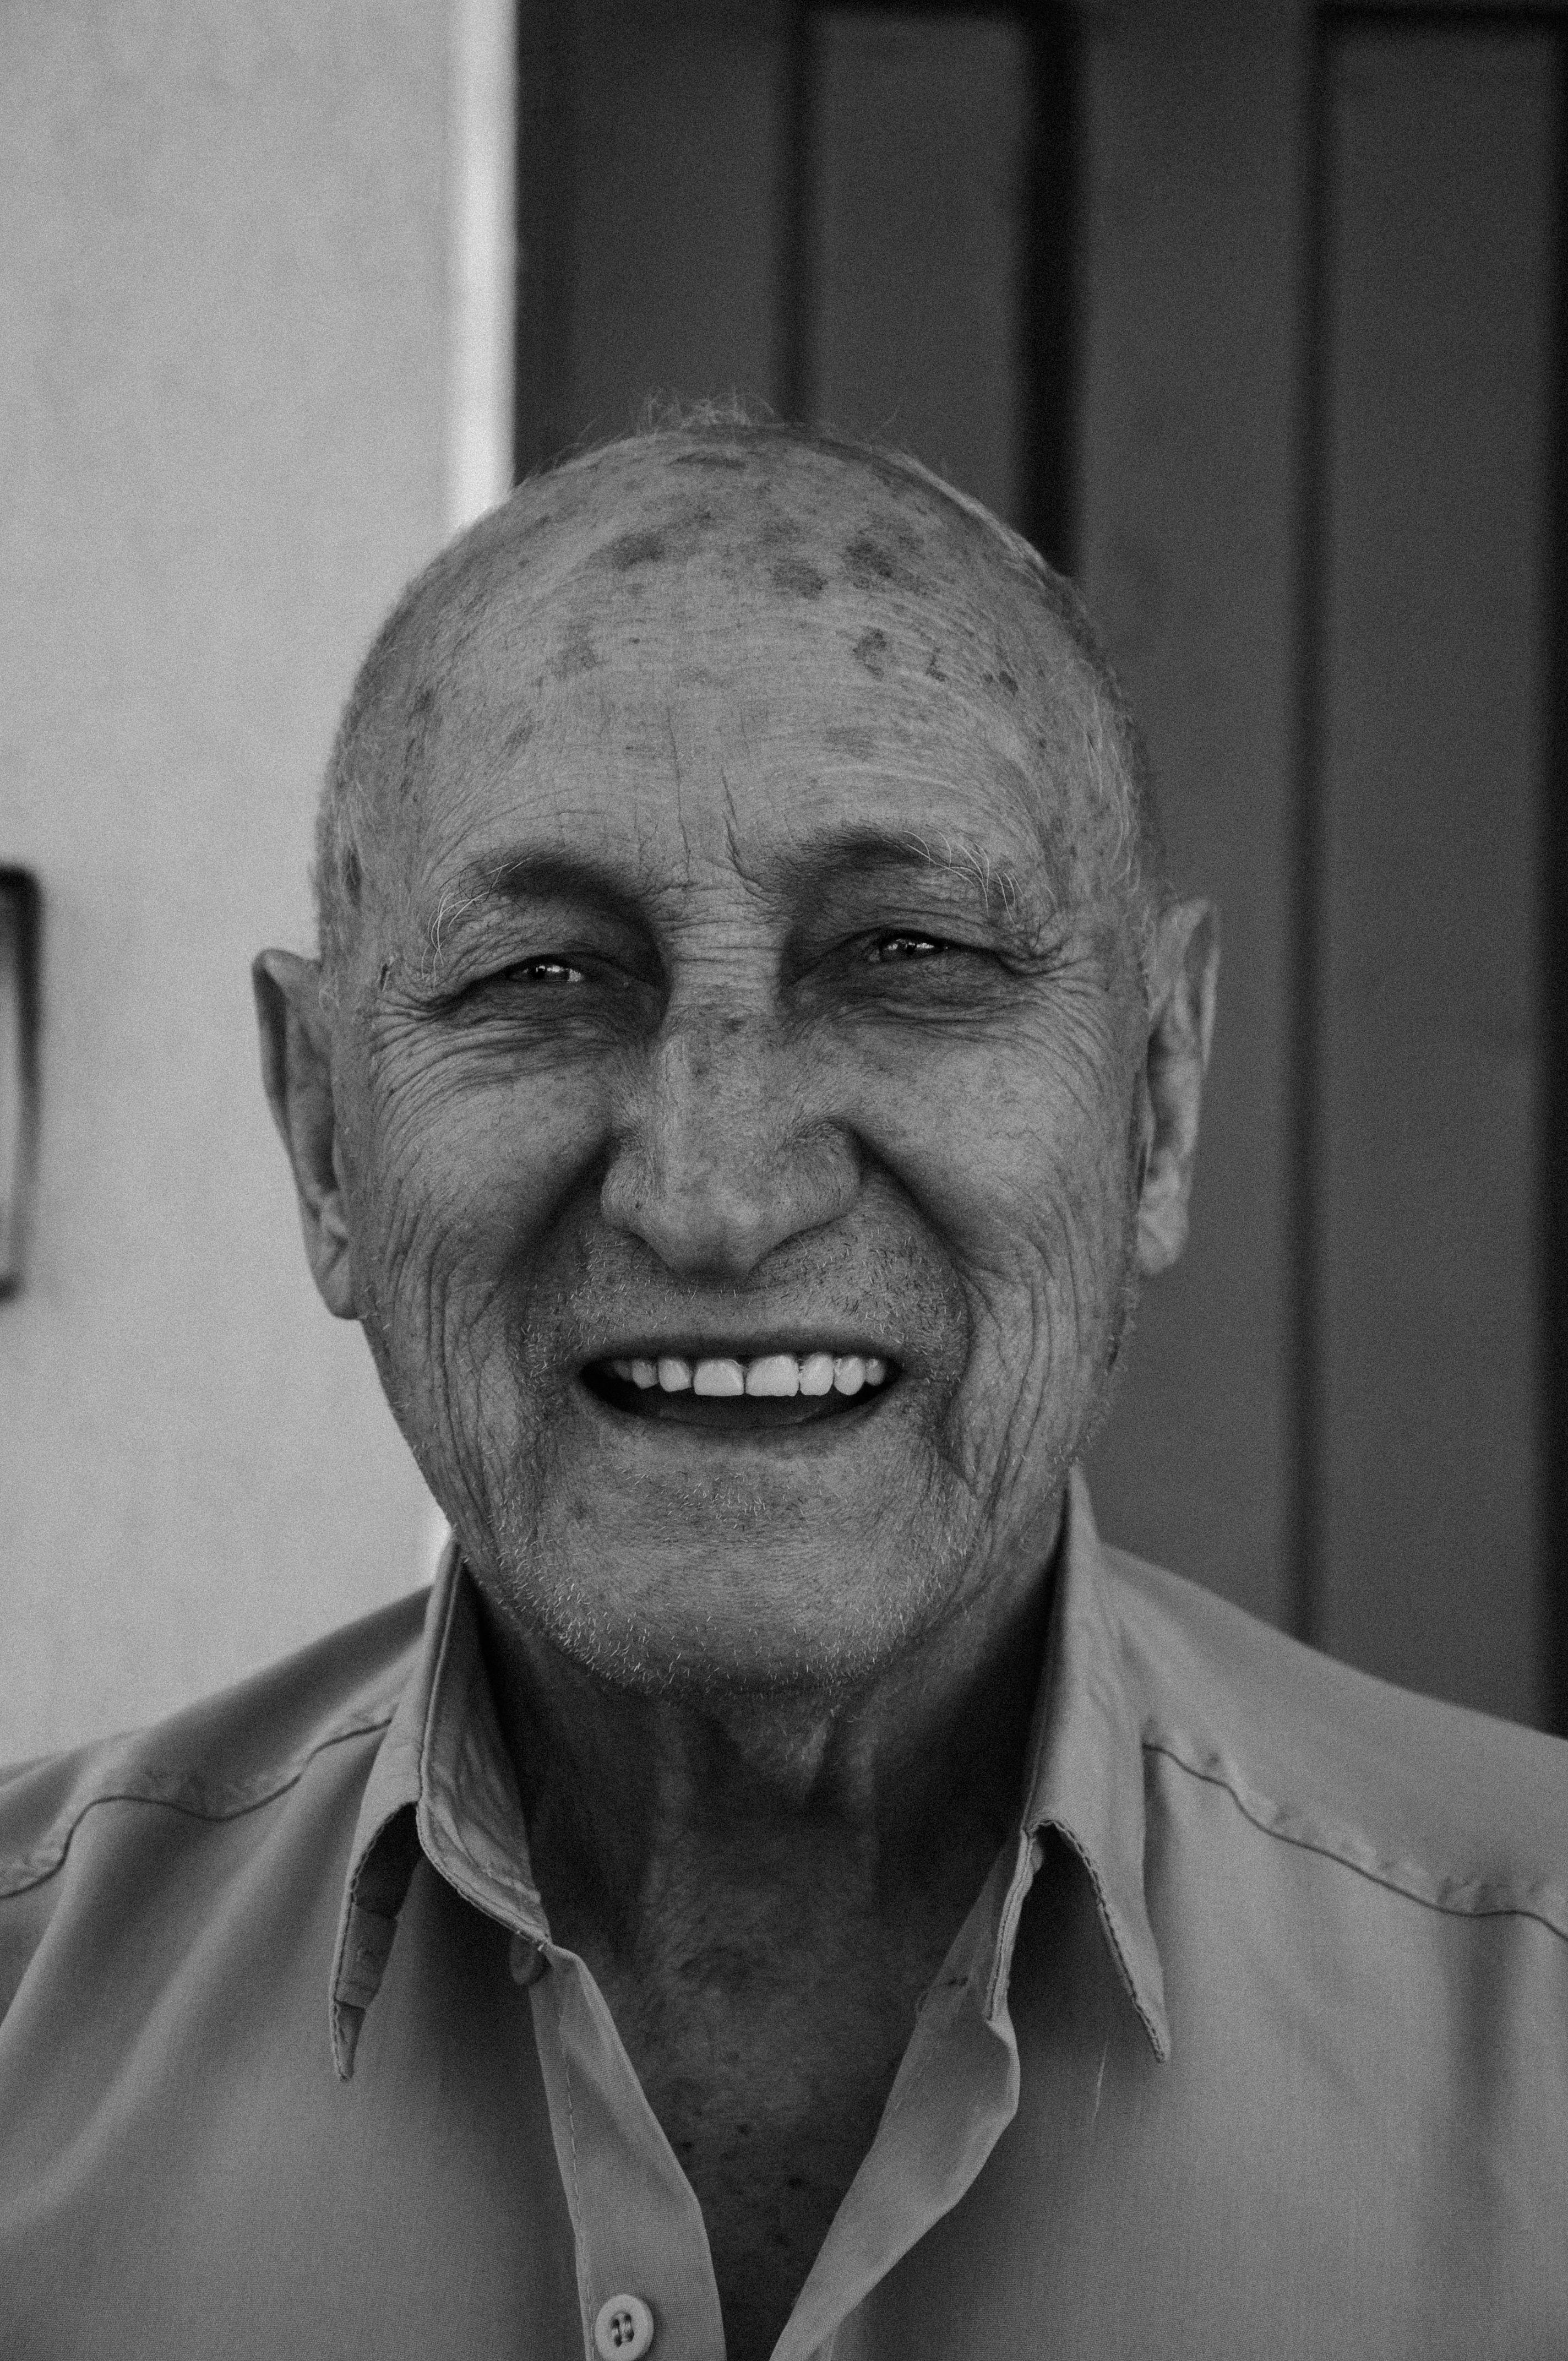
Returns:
(789, 1889)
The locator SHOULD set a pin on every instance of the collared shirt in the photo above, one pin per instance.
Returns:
(1255, 2042)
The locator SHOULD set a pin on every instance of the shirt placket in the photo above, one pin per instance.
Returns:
(645, 2282)
(954, 2093)
(639, 2229)
(641, 2239)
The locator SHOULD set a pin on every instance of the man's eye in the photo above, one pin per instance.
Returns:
(888, 948)
(542, 970)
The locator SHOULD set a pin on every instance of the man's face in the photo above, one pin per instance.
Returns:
(742, 981)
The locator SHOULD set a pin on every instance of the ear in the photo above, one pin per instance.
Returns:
(296, 1071)
(1183, 975)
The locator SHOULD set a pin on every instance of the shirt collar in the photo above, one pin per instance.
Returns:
(1087, 1759)
(442, 1784)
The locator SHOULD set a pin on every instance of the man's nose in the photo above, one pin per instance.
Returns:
(720, 1155)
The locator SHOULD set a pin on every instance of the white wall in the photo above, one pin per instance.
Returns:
(229, 332)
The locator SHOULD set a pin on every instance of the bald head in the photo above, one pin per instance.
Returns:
(803, 514)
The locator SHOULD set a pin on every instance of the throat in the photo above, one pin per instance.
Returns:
(768, 2065)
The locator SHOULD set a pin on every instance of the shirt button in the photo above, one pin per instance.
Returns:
(624, 2329)
(528, 1960)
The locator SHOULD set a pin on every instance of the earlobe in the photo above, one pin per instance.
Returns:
(1184, 973)
(296, 1073)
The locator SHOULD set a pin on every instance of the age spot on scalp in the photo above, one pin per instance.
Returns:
(871, 649)
(849, 738)
(642, 548)
(575, 654)
(868, 563)
(795, 575)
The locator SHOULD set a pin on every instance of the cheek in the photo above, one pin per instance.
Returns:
(1015, 1153)
(1042, 1249)
(463, 1182)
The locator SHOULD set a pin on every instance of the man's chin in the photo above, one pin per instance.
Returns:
(672, 1558)
(718, 1610)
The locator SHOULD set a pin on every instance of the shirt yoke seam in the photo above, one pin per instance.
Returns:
(1463, 1899)
(215, 1803)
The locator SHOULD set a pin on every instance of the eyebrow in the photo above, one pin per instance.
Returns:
(515, 877)
(1002, 892)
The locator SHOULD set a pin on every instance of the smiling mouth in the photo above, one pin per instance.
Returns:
(736, 1394)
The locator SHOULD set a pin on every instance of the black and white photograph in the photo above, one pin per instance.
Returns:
(783, 1132)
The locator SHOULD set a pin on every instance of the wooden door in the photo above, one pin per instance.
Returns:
(1252, 317)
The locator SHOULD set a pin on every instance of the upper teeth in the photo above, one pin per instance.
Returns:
(770, 1373)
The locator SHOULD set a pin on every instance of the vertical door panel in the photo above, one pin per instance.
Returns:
(679, 193)
(1439, 309)
(1193, 270)
(918, 195)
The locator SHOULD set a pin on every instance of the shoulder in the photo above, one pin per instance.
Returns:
(220, 1759)
(1452, 1807)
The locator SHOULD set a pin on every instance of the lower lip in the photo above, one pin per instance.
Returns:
(765, 1423)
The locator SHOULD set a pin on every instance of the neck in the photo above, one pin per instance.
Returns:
(906, 1781)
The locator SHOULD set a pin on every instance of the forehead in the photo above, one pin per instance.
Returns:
(731, 648)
